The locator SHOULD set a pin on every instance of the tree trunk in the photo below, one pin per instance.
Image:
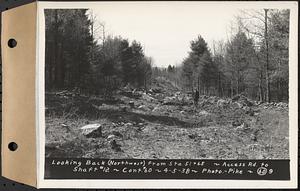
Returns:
(55, 49)
(238, 86)
(219, 85)
(198, 85)
(268, 95)
(261, 94)
(231, 88)
(145, 83)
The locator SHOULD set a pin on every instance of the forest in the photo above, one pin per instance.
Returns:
(253, 61)
(75, 60)
(105, 98)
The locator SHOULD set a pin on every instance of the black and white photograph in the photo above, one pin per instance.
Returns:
(216, 92)
(170, 81)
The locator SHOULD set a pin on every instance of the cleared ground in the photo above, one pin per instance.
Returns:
(164, 125)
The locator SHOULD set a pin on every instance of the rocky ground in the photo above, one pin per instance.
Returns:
(163, 123)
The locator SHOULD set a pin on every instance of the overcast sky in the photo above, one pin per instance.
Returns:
(165, 29)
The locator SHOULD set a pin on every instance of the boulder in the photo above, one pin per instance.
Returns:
(128, 124)
(170, 100)
(243, 126)
(237, 105)
(92, 130)
(111, 137)
(221, 103)
(156, 109)
(156, 90)
(193, 136)
(117, 133)
(131, 104)
(141, 107)
(147, 97)
(242, 100)
(203, 112)
(236, 123)
(144, 107)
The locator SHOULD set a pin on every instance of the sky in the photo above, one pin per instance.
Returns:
(165, 29)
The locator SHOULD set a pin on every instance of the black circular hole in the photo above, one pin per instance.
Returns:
(12, 146)
(12, 43)
(6, 9)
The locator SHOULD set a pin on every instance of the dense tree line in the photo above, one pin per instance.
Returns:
(76, 60)
(254, 61)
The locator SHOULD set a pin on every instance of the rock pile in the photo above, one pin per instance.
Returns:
(273, 105)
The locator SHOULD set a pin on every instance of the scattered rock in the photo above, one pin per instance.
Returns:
(131, 104)
(128, 124)
(92, 130)
(141, 107)
(118, 134)
(281, 104)
(67, 127)
(205, 113)
(240, 127)
(217, 112)
(144, 107)
(130, 94)
(272, 105)
(147, 97)
(237, 105)
(243, 126)
(259, 103)
(155, 90)
(192, 136)
(212, 99)
(236, 123)
(243, 100)
(242, 156)
(255, 147)
(109, 137)
(236, 97)
(249, 111)
(221, 103)
(155, 109)
(170, 101)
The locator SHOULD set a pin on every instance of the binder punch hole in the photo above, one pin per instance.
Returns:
(12, 43)
(12, 146)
